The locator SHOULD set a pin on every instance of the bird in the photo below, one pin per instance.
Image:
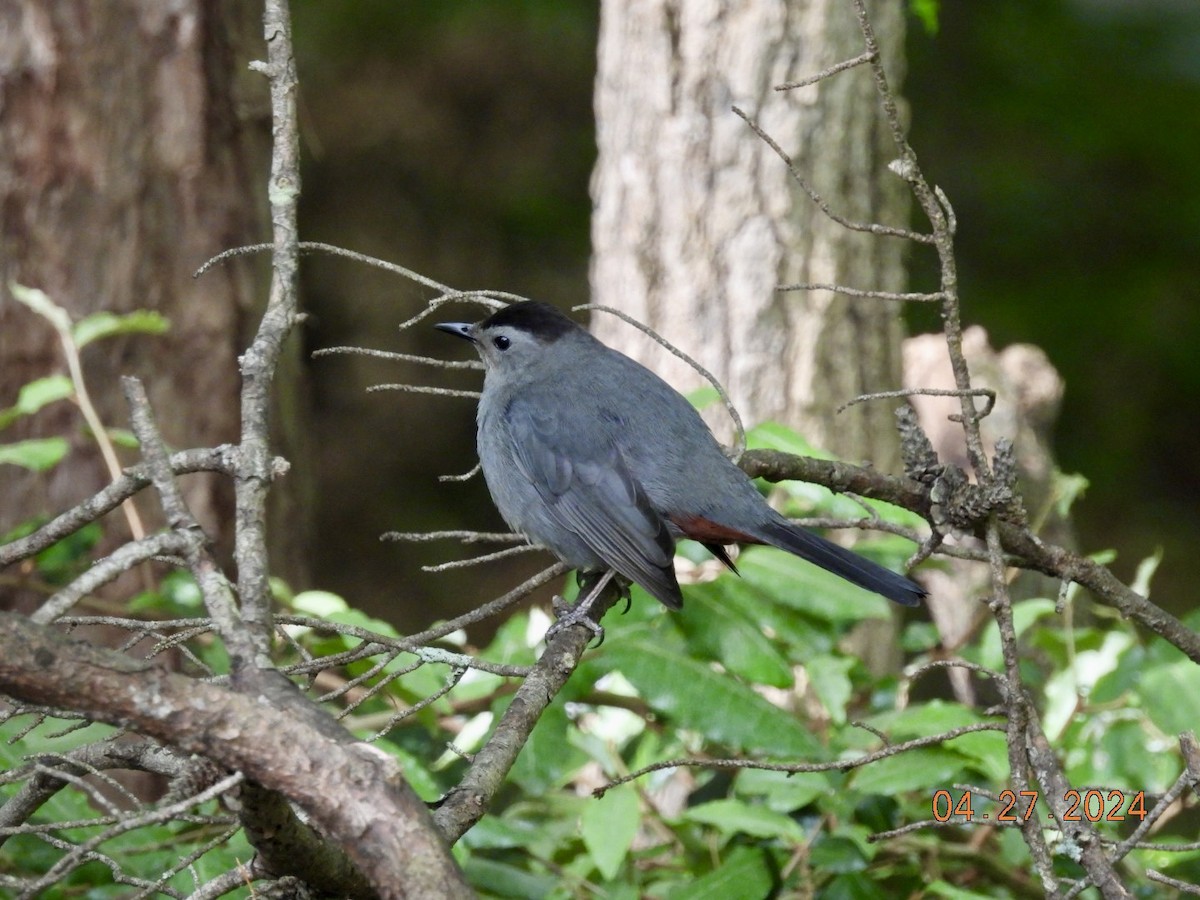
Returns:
(589, 454)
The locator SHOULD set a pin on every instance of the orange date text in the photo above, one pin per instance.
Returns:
(1092, 805)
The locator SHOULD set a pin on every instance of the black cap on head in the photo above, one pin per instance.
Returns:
(539, 319)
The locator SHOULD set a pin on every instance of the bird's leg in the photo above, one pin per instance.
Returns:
(581, 577)
(578, 613)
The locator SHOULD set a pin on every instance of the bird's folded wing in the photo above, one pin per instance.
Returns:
(588, 489)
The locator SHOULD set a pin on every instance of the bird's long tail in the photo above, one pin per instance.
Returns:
(842, 562)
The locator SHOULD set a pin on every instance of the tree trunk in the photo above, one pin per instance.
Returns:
(697, 221)
(132, 148)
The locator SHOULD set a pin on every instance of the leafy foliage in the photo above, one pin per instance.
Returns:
(755, 671)
(744, 716)
(736, 749)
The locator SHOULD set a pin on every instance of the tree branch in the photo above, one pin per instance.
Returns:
(352, 793)
(261, 358)
(222, 459)
(470, 798)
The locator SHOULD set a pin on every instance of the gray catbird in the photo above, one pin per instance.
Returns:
(595, 457)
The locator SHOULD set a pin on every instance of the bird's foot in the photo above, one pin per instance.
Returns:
(579, 613)
(569, 614)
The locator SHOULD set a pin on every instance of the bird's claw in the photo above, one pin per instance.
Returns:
(627, 596)
(626, 593)
(574, 614)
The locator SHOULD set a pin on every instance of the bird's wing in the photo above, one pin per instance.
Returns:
(589, 490)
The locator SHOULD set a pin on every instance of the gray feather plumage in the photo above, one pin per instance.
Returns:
(597, 458)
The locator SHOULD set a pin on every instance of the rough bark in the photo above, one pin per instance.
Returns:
(354, 794)
(697, 221)
(132, 147)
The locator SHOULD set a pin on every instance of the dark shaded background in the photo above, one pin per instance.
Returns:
(456, 139)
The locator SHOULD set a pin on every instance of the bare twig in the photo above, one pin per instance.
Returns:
(825, 73)
(60, 321)
(121, 560)
(839, 765)
(128, 823)
(942, 239)
(215, 588)
(896, 296)
(423, 389)
(480, 560)
(988, 395)
(465, 476)
(221, 459)
(466, 537)
(1184, 886)
(868, 227)
(398, 357)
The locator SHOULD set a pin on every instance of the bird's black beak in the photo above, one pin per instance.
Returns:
(458, 329)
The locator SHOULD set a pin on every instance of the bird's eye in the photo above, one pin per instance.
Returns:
(501, 342)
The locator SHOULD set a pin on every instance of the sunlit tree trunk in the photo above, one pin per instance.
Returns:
(697, 221)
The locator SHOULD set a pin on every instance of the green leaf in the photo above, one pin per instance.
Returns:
(719, 624)
(40, 303)
(608, 826)
(415, 773)
(1067, 488)
(920, 637)
(987, 752)
(799, 635)
(501, 880)
(744, 875)
(783, 792)
(703, 396)
(941, 888)
(1065, 688)
(855, 886)
(511, 643)
(1125, 756)
(925, 719)
(501, 832)
(122, 437)
(1124, 677)
(14, 750)
(830, 680)
(330, 606)
(1025, 614)
(801, 585)
(738, 817)
(104, 324)
(35, 395)
(36, 454)
(548, 757)
(64, 560)
(838, 854)
(177, 594)
(1171, 696)
(1145, 572)
(928, 768)
(711, 702)
(926, 12)
(773, 436)
(321, 604)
